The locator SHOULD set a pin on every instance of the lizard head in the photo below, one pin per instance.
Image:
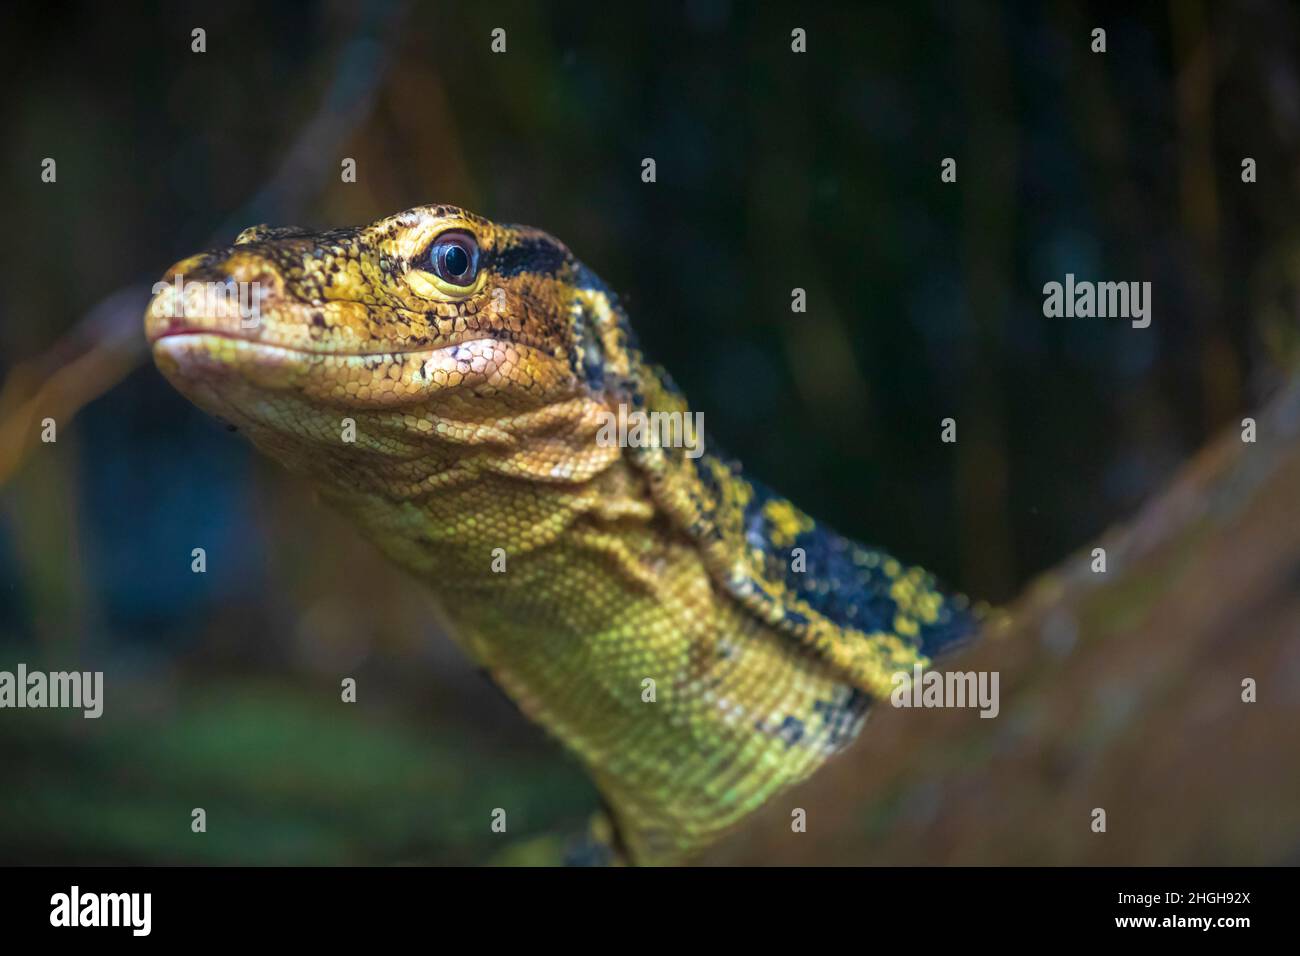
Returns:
(433, 320)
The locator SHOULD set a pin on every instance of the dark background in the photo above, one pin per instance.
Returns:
(775, 170)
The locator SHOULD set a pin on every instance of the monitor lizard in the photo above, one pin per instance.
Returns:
(695, 639)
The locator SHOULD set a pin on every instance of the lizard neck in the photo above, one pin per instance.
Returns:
(588, 597)
(602, 622)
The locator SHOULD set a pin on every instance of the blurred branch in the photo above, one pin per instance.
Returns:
(95, 355)
(1119, 690)
(107, 344)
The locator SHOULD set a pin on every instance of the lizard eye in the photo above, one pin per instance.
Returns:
(453, 257)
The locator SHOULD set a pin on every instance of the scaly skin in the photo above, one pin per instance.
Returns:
(476, 414)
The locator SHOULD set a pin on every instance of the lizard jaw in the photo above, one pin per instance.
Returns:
(350, 380)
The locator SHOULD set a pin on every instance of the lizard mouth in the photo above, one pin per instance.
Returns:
(231, 326)
(223, 370)
(190, 338)
(212, 347)
(290, 327)
(269, 318)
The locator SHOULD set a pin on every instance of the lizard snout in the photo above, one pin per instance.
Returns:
(209, 292)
